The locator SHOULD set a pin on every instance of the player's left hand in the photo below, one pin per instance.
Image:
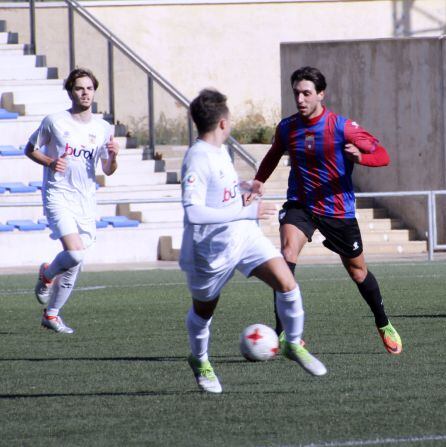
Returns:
(352, 153)
(112, 147)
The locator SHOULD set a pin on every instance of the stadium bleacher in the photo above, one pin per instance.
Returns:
(131, 231)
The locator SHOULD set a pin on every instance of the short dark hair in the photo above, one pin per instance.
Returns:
(80, 73)
(207, 109)
(310, 74)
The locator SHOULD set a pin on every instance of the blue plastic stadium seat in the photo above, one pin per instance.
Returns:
(101, 224)
(2, 190)
(43, 220)
(26, 225)
(6, 227)
(17, 187)
(36, 184)
(5, 115)
(7, 150)
(120, 221)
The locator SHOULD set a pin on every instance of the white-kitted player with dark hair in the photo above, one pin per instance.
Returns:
(221, 236)
(69, 145)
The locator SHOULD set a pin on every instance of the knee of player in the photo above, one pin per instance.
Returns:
(289, 254)
(358, 275)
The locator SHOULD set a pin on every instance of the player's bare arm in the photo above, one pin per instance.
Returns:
(110, 165)
(57, 165)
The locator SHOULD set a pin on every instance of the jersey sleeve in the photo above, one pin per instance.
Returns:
(42, 136)
(271, 159)
(363, 140)
(195, 175)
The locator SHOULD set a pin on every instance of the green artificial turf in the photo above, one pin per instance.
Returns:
(122, 378)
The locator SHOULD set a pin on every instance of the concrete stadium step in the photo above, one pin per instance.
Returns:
(367, 236)
(372, 248)
(17, 131)
(8, 38)
(171, 151)
(113, 245)
(30, 87)
(124, 179)
(21, 60)
(51, 106)
(171, 212)
(139, 192)
(12, 73)
(12, 48)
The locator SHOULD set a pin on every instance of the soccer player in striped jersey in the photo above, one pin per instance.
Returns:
(323, 148)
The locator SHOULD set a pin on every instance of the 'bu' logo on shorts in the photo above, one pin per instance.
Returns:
(75, 152)
(309, 142)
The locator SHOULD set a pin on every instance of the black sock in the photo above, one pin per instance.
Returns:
(279, 327)
(369, 290)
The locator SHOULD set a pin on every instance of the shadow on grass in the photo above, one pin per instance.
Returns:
(97, 394)
(98, 359)
(420, 316)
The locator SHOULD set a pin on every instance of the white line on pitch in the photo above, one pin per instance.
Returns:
(365, 442)
(183, 283)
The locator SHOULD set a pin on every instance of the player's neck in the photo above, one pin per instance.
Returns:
(81, 115)
(315, 116)
(213, 138)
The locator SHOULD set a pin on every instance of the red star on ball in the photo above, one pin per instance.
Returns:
(255, 336)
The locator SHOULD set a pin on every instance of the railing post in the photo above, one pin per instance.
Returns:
(32, 26)
(430, 224)
(111, 84)
(71, 37)
(149, 150)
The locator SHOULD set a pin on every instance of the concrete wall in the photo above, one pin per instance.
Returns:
(231, 45)
(395, 89)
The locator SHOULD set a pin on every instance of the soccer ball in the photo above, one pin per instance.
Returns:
(258, 343)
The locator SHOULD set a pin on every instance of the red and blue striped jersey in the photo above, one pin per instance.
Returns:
(321, 175)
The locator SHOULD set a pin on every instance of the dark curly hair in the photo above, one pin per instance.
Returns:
(80, 73)
(310, 74)
(207, 109)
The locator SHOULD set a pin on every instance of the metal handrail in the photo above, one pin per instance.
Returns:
(436, 193)
(430, 209)
(153, 76)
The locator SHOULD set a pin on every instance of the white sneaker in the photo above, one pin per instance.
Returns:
(43, 286)
(204, 375)
(56, 324)
(299, 354)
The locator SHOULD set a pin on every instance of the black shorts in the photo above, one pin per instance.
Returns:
(342, 236)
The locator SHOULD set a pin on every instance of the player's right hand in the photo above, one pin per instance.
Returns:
(59, 164)
(256, 191)
(266, 210)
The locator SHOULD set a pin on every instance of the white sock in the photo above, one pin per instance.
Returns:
(291, 314)
(63, 261)
(199, 334)
(61, 290)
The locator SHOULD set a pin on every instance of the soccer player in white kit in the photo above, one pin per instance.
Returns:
(221, 236)
(69, 145)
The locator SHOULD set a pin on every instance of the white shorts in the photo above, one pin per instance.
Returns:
(207, 286)
(63, 220)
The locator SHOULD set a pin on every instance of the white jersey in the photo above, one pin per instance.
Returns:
(83, 144)
(209, 179)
